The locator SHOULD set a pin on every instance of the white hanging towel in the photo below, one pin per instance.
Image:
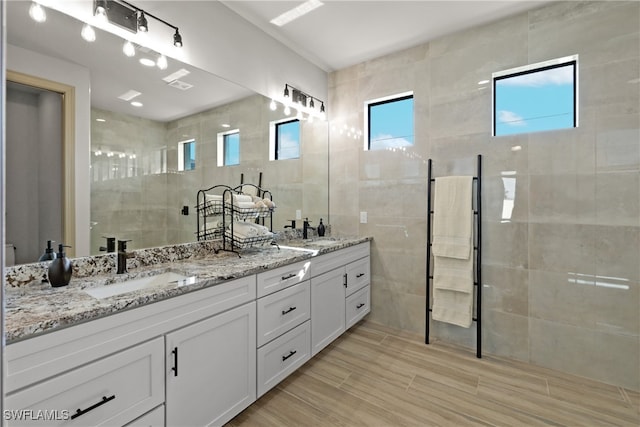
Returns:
(452, 217)
(452, 249)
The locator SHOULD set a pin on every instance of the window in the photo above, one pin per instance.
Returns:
(187, 155)
(229, 148)
(389, 122)
(536, 97)
(284, 139)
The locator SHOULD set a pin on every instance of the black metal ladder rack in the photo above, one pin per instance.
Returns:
(477, 247)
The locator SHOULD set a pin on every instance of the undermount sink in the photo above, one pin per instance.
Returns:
(132, 285)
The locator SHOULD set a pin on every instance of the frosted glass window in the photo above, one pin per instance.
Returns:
(390, 123)
(538, 97)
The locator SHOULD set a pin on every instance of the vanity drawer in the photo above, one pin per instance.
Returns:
(327, 262)
(358, 275)
(282, 277)
(282, 311)
(358, 305)
(283, 356)
(154, 418)
(111, 391)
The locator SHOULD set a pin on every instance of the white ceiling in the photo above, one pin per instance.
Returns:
(346, 32)
(336, 35)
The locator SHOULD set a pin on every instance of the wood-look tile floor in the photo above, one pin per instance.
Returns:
(376, 376)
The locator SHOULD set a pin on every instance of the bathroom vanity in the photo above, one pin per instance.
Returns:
(191, 352)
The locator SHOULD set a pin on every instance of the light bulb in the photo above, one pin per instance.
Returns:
(299, 115)
(37, 13)
(162, 62)
(129, 49)
(88, 33)
(101, 14)
(287, 110)
(273, 105)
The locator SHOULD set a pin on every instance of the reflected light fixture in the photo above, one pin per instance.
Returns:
(37, 12)
(147, 62)
(303, 102)
(129, 49)
(162, 62)
(273, 105)
(88, 33)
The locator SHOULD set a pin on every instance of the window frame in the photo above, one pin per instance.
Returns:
(181, 159)
(274, 134)
(531, 69)
(380, 101)
(221, 147)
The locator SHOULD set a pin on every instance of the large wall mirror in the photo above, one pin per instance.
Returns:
(132, 157)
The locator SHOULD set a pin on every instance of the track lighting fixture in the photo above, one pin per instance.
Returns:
(37, 12)
(303, 102)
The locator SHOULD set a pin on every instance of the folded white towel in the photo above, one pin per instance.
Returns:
(452, 307)
(239, 198)
(453, 217)
(245, 205)
(453, 274)
(213, 197)
(250, 190)
(245, 230)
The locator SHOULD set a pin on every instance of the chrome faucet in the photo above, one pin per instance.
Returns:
(306, 227)
(122, 257)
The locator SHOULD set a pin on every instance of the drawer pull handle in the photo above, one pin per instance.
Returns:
(175, 361)
(288, 276)
(359, 306)
(104, 400)
(360, 275)
(291, 353)
(345, 280)
(288, 311)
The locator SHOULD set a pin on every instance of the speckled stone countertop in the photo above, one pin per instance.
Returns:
(33, 307)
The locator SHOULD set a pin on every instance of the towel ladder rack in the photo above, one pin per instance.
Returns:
(477, 248)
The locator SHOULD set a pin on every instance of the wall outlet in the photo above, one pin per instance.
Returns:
(298, 214)
(363, 217)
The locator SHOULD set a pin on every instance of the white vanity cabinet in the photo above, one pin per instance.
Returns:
(111, 391)
(336, 279)
(211, 369)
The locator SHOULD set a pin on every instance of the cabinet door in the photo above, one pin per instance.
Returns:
(327, 308)
(358, 273)
(211, 369)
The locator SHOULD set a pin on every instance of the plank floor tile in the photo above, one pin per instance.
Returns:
(377, 376)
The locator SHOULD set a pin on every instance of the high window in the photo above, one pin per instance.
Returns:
(187, 155)
(229, 148)
(537, 97)
(284, 139)
(389, 122)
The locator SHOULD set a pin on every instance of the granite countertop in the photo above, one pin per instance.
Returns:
(36, 307)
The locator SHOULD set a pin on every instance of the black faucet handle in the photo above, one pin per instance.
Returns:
(111, 244)
(293, 224)
(122, 245)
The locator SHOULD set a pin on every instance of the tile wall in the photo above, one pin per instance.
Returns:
(561, 271)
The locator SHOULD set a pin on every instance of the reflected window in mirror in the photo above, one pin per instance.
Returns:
(284, 139)
(187, 155)
(229, 148)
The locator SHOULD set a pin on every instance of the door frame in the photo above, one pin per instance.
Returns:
(68, 149)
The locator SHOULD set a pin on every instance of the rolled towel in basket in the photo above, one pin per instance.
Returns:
(245, 205)
(240, 198)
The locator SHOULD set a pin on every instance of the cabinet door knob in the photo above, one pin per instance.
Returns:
(288, 276)
(359, 306)
(345, 280)
(291, 353)
(360, 275)
(104, 400)
(288, 311)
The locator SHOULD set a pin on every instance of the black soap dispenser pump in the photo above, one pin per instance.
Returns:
(49, 254)
(320, 228)
(60, 268)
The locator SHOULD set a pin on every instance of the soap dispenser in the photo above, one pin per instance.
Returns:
(60, 268)
(49, 254)
(321, 229)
